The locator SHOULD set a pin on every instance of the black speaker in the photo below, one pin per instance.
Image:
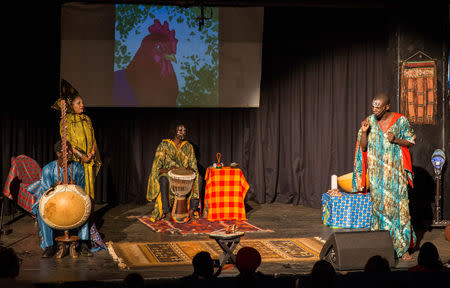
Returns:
(350, 250)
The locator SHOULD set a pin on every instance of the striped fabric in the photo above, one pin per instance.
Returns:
(419, 92)
(28, 171)
(225, 193)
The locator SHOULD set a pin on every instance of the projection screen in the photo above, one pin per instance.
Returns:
(131, 55)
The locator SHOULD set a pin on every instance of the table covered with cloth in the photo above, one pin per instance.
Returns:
(351, 210)
(225, 193)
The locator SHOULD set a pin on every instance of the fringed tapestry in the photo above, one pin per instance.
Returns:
(418, 92)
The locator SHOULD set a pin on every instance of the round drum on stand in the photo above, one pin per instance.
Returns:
(65, 207)
(181, 181)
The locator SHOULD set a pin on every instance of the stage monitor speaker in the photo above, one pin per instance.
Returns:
(350, 250)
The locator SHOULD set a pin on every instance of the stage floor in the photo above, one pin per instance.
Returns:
(120, 224)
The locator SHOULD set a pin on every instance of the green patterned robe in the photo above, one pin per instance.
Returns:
(389, 169)
(168, 156)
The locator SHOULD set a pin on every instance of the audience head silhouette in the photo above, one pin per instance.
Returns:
(322, 274)
(377, 264)
(429, 257)
(9, 263)
(134, 280)
(203, 265)
(248, 260)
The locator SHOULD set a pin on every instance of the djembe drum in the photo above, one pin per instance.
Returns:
(181, 181)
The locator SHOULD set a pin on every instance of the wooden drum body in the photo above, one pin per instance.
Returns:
(65, 207)
(181, 181)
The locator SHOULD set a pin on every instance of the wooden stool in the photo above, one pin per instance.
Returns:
(228, 243)
(65, 240)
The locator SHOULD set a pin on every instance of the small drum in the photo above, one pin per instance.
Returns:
(181, 181)
(65, 207)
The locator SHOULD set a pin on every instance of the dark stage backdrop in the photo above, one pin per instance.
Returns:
(320, 71)
(321, 67)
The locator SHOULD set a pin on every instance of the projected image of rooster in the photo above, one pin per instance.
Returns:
(161, 59)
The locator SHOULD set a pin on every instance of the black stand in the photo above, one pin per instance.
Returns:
(437, 221)
(3, 231)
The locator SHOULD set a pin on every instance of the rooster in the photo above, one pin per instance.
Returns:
(150, 76)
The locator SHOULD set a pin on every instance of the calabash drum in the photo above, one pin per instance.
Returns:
(345, 181)
(65, 207)
(181, 180)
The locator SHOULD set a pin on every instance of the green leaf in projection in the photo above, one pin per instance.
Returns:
(128, 19)
(201, 87)
(201, 79)
(121, 56)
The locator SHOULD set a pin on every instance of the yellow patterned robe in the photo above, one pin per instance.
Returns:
(80, 134)
(167, 156)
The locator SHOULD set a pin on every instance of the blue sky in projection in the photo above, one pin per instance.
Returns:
(188, 43)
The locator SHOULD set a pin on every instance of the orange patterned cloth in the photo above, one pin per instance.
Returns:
(419, 92)
(225, 193)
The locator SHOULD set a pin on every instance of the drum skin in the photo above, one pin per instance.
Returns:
(181, 181)
(65, 207)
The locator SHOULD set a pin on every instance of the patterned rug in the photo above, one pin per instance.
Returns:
(198, 226)
(146, 254)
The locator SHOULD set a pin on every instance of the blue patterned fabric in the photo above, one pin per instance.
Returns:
(48, 179)
(347, 211)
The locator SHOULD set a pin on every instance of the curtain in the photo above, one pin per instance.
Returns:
(321, 68)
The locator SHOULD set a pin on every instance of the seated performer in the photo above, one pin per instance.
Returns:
(171, 153)
(52, 175)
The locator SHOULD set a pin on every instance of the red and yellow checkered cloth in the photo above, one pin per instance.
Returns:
(224, 193)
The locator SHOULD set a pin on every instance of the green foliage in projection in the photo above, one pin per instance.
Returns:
(128, 17)
(200, 77)
(202, 80)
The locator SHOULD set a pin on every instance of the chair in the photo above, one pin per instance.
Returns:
(23, 172)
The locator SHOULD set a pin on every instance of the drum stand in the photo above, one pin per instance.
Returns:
(67, 240)
(437, 221)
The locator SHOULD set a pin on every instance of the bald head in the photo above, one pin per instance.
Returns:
(383, 98)
(380, 105)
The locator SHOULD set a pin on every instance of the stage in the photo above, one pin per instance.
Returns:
(120, 224)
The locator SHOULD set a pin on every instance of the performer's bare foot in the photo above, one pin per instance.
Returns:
(406, 256)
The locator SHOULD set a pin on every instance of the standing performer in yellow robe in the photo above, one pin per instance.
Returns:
(80, 134)
(171, 153)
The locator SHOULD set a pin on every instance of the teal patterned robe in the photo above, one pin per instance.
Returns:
(389, 171)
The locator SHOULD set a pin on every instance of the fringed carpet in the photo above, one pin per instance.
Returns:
(147, 254)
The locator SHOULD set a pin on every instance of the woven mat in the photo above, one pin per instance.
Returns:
(197, 226)
(147, 254)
